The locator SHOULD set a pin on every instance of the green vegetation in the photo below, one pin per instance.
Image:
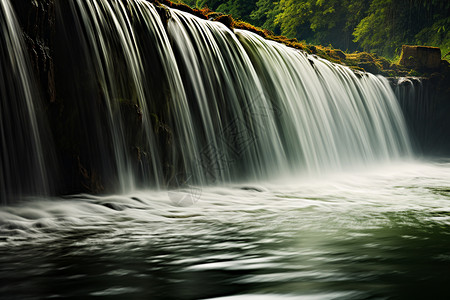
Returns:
(377, 26)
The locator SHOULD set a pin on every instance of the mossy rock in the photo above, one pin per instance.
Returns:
(420, 57)
(226, 20)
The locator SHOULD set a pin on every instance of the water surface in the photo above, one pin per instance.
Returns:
(379, 233)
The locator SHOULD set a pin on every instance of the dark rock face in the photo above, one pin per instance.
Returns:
(164, 13)
(37, 19)
(370, 67)
(227, 20)
(425, 103)
(420, 57)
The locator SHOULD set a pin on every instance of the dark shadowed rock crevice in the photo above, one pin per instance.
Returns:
(425, 103)
(38, 21)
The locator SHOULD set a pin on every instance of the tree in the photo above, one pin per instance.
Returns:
(380, 26)
(293, 18)
(390, 23)
(264, 15)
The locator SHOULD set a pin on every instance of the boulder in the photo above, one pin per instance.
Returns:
(420, 57)
(339, 54)
(226, 20)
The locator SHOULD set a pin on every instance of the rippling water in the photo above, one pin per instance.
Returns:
(372, 234)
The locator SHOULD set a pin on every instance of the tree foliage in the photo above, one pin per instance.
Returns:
(380, 26)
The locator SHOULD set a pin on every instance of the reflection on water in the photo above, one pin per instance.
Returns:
(370, 235)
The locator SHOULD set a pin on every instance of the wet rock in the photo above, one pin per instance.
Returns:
(226, 20)
(444, 67)
(214, 15)
(114, 206)
(339, 54)
(183, 7)
(90, 180)
(37, 18)
(164, 13)
(252, 189)
(420, 57)
(370, 67)
(312, 49)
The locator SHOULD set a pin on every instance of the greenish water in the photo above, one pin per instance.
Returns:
(375, 234)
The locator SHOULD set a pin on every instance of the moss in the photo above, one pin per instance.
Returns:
(414, 73)
(246, 26)
(227, 20)
(361, 61)
(201, 13)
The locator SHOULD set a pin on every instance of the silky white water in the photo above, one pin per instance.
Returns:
(238, 107)
(267, 110)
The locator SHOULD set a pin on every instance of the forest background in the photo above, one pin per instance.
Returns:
(376, 26)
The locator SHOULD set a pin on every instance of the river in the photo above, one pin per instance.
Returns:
(382, 232)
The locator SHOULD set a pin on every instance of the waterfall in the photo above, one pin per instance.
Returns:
(330, 117)
(155, 97)
(235, 126)
(23, 164)
(260, 108)
(107, 44)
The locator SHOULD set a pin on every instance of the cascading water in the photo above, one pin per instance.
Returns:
(330, 116)
(23, 164)
(234, 122)
(106, 36)
(238, 107)
(261, 109)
